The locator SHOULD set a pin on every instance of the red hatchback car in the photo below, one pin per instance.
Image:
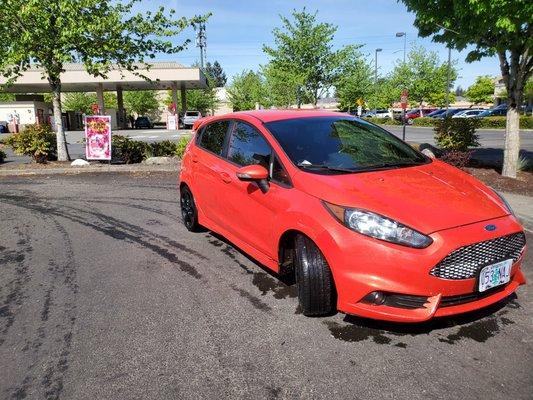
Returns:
(368, 225)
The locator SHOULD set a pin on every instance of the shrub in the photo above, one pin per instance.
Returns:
(127, 150)
(383, 121)
(499, 122)
(166, 148)
(181, 145)
(425, 121)
(456, 134)
(37, 141)
(3, 155)
(457, 158)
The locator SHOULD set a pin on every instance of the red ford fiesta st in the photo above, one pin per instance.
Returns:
(368, 225)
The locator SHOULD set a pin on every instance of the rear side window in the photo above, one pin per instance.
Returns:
(213, 136)
(247, 146)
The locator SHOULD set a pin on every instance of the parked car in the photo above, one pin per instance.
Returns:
(367, 224)
(436, 112)
(377, 114)
(190, 117)
(143, 123)
(450, 113)
(415, 113)
(494, 112)
(470, 113)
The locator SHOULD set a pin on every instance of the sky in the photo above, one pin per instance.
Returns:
(237, 30)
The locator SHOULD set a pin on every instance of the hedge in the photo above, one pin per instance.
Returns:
(484, 123)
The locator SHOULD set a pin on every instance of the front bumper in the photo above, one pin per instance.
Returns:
(362, 265)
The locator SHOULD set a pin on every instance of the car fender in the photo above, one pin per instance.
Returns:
(310, 226)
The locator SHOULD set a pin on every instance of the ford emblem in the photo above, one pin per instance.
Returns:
(490, 227)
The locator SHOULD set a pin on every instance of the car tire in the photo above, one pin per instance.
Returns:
(189, 212)
(316, 289)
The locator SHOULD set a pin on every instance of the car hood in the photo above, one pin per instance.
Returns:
(428, 198)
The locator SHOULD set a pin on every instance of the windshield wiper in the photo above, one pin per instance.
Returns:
(324, 167)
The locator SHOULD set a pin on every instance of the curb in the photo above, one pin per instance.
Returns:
(90, 169)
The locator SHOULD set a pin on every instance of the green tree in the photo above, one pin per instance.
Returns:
(482, 91)
(424, 76)
(97, 33)
(6, 96)
(354, 80)
(202, 100)
(501, 28)
(217, 74)
(247, 89)
(281, 87)
(141, 102)
(82, 101)
(385, 94)
(303, 50)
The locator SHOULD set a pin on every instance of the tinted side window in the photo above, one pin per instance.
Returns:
(212, 138)
(247, 146)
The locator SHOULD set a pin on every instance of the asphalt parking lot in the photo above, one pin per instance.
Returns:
(105, 295)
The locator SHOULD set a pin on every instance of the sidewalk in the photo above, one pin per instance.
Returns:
(523, 208)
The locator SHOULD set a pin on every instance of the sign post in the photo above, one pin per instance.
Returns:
(98, 137)
(403, 100)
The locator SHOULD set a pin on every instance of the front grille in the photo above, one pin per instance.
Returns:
(467, 261)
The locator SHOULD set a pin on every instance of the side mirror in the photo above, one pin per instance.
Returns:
(254, 173)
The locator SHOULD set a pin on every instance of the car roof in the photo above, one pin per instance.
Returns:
(278, 115)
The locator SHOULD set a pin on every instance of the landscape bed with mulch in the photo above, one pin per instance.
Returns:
(523, 184)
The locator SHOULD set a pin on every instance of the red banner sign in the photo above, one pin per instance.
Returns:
(98, 137)
(404, 99)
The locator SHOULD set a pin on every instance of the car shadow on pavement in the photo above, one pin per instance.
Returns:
(285, 280)
(478, 325)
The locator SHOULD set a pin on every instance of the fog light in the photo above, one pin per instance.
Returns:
(375, 298)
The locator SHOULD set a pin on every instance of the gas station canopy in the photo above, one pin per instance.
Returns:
(162, 75)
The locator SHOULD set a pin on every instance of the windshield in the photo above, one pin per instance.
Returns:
(341, 144)
(191, 113)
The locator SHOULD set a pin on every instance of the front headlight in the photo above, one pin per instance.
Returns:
(378, 226)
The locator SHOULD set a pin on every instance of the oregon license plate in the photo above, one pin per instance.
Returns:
(495, 275)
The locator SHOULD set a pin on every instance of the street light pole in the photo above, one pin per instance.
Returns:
(404, 35)
(376, 81)
(400, 34)
(448, 79)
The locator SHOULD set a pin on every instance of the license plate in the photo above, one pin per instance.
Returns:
(495, 275)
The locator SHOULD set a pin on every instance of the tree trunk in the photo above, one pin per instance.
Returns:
(514, 75)
(512, 142)
(62, 150)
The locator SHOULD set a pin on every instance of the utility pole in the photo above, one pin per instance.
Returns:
(376, 81)
(201, 42)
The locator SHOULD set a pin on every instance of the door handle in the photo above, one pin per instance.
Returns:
(225, 177)
(194, 158)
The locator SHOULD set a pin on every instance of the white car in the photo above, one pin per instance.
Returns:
(190, 118)
(471, 113)
(378, 114)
